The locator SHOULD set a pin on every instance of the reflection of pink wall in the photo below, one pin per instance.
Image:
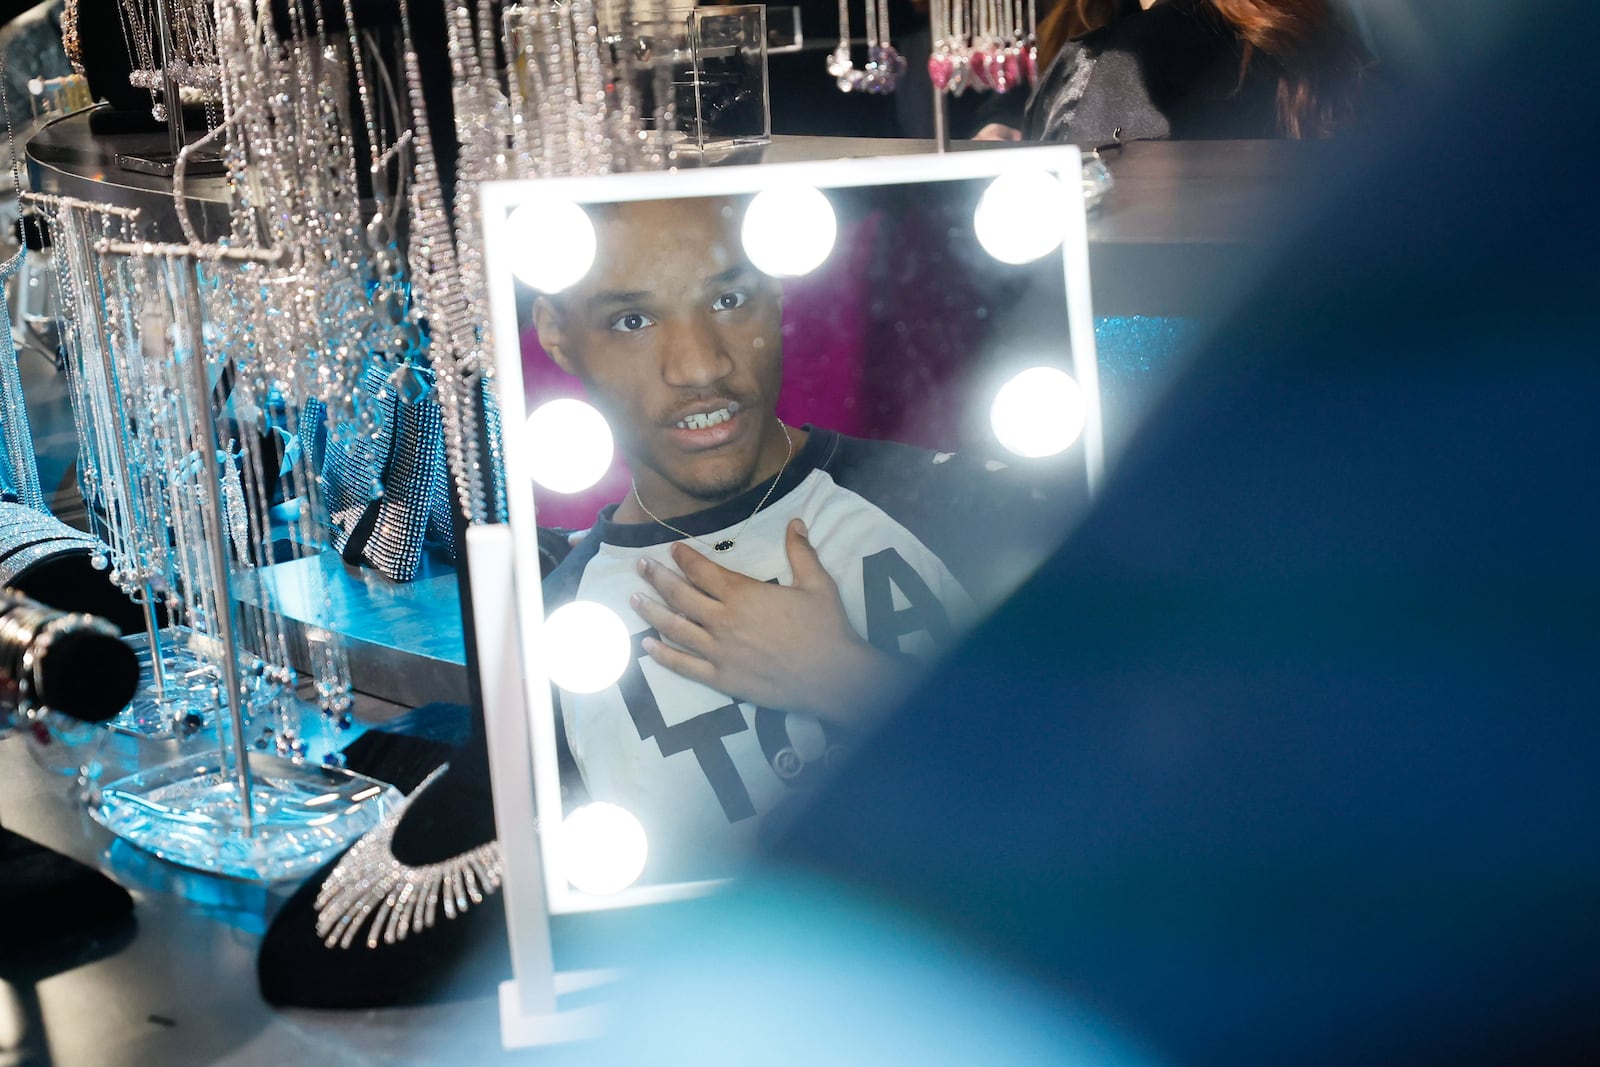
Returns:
(927, 325)
(832, 320)
(824, 338)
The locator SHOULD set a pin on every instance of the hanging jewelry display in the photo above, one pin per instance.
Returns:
(284, 327)
(485, 125)
(138, 472)
(172, 48)
(192, 63)
(122, 467)
(983, 45)
(237, 812)
(299, 327)
(195, 363)
(884, 66)
(439, 296)
(557, 77)
(253, 331)
(19, 468)
(594, 88)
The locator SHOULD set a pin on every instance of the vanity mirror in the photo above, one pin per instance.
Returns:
(806, 422)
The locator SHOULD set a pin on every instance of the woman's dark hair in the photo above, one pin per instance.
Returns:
(1319, 63)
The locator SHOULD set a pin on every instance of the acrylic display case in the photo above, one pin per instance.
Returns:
(728, 76)
(701, 75)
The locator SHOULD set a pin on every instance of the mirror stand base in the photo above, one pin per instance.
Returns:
(525, 1026)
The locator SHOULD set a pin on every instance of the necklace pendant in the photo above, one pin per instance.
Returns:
(724, 545)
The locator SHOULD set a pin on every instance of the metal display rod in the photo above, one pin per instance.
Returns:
(172, 104)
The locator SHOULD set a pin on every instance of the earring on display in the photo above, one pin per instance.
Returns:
(840, 66)
(983, 45)
(948, 64)
(884, 66)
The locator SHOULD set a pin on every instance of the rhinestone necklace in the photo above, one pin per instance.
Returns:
(728, 542)
(399, 899)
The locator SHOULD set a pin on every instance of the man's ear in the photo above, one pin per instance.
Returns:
(547, 324)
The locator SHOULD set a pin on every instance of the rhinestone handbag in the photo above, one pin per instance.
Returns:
(385, 495)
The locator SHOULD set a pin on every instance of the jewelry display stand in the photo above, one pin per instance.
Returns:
(174, 683)
(981, 45)
(189, 358)
(884, 66)
(171, 70)
(530, 1011)
(590, 100)
(244, 814)
(177, 690)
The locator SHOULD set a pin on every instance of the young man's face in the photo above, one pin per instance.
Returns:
(678, 339)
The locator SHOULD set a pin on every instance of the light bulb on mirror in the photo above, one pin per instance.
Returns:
(552, 243)
(1021, 216)
(585, 646)
(789, 230)
(603, 848)
(1039, 412)
(569, 445)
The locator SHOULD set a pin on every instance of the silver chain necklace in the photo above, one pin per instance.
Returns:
(727, 542)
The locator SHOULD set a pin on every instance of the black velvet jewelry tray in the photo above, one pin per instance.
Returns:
(45, 896)
(456, 958)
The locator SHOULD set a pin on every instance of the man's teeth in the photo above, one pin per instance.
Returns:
(707, 420)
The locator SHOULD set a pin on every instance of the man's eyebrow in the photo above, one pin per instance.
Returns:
(732, 274)
(619, 296)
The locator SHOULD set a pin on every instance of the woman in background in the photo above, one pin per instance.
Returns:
(1190, 69)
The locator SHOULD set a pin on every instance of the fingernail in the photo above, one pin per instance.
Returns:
(649, 645)
(643, 566)
(637, 600)
(800, 527)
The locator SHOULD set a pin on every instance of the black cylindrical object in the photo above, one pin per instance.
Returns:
(66, 662)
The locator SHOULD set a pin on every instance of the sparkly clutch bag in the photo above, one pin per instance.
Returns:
(387, 496)
(30, 540)
(44, 558)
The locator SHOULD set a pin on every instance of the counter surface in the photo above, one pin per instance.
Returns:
(177, 985)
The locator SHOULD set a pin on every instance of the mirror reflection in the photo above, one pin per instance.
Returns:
(788, 446)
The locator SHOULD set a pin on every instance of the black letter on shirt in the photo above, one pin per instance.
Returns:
(880, 575)
(702, 734)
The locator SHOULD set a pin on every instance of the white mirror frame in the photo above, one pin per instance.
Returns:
(521, 725)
